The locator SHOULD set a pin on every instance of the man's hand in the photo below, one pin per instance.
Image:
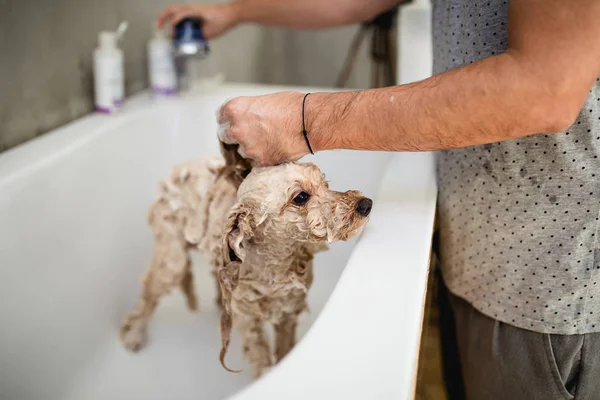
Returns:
(267, 128)
(217, 18)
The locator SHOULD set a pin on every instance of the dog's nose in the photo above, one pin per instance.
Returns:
(363, 207)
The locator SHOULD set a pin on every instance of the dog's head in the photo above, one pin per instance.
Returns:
(293, 201)
(290, 202)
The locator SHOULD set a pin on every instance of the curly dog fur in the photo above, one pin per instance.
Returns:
(259, 229)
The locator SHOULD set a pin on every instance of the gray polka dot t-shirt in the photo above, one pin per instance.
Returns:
(519, 219)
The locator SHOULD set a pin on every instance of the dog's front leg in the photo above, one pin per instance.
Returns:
(285, 335)
(187, 287)
(256, 347)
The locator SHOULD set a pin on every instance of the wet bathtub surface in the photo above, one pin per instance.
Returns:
(180, 361)
(74, 242)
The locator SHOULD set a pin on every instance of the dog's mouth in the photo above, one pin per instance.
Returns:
(357, 230)
(351, 226)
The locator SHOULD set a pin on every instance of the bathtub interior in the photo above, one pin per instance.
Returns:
(74, 242)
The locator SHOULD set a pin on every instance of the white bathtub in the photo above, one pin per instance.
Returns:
(74, 242)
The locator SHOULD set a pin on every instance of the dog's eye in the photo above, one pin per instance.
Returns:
(301, 198)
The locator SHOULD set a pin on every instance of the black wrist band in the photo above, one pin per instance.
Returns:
(304, 132)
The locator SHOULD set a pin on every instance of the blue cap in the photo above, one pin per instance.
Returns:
(189, 39)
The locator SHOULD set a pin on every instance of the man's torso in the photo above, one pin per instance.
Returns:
(519, 219)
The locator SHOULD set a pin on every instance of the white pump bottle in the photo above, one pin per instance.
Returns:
(163, 78)
(108, 71)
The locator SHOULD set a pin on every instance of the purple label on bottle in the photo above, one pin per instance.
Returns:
(118, 102)
(163, 91)
(103, 110)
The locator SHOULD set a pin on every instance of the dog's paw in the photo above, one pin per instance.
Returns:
(262, 371)
(192, 303)
(133, 333)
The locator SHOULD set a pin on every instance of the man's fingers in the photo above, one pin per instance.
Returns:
(242, 151)
(223, 130)
(221, 118)
(253, 154)
(174, 14)
(166, 14)
(224, 133)
(179, 15)
(228, 110)
(235, 127)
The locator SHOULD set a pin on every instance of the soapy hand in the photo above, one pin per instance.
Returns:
(217, 18)
(268, 129)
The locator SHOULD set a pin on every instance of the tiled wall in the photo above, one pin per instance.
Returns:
(46, 58)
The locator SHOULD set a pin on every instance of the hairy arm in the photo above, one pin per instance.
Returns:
(219, 18)
(538, 85)
(309, 14)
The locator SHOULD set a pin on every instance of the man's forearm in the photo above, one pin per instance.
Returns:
(309, 14)
(489, 101)
(538, 85)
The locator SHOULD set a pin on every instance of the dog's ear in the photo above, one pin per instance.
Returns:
(237, 228)
(236, 168)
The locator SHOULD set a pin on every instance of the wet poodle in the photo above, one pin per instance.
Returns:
(259, 230)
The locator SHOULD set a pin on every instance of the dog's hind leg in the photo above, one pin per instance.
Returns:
(285, 335)
(187, 287)
(168, 269)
